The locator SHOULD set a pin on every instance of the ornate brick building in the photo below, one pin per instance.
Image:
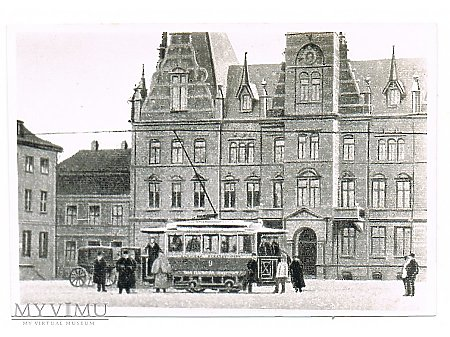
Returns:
(333, 151)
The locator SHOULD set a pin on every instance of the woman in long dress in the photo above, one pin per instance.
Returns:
(161, 269)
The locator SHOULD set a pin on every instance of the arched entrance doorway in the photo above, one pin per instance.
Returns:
(307, 251)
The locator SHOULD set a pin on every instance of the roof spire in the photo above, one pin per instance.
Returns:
(393, 73)
(142, 87)
(245, 78)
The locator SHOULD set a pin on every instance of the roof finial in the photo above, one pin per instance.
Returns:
(245, 78)
(393, 71)
(143, 72)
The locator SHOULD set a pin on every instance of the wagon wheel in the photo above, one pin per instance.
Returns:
(78, 277)
(111, 277)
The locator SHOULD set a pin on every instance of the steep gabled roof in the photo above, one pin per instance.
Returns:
(270, 73)
(379, 73)
(27, 138)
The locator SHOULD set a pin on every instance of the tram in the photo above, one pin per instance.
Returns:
(213, 254)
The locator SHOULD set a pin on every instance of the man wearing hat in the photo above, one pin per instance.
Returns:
(412, 269)
(126, 268)
(251, 273)
(99, 276)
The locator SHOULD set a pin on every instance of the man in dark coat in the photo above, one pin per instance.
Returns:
(126, 268)
(412, 269)
(296, 270)
(251, 273)
(152, 249)
(99, 276)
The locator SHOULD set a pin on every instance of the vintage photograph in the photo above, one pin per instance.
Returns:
(251, 169)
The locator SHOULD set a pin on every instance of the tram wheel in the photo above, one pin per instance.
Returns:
(193, 288)
(229, 286)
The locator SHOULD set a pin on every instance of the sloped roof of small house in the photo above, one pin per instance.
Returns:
(95, 172)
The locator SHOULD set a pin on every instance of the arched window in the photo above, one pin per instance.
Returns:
(316, 84)
(404, 195)
(302, 146)
(400, 149)
(233, 154)
(304, 87)
(314, 146)
(378, 191)
(391, 149)
(250, 152)
(308, 189)
(200, 151)
(382, 149)
(242, 152)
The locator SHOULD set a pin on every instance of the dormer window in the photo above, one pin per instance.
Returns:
(415, 95)
(393, 97)
(246, 102)
(178, 90)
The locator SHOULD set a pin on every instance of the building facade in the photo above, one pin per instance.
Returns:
(36, 168)
(92, 203)
(331, 150)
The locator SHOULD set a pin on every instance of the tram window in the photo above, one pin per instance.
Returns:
(228, 244)
(193, 243)
(210, 243)
(245, 243)
(265, 246)
(175, 243)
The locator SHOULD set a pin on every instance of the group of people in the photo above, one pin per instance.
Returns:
(284, 269)
(157, 264)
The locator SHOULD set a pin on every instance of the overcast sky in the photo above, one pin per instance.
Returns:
(77, 78)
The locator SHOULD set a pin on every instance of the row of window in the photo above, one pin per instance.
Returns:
(29, 165)
(29, 201)
(94, 215)
(392, 149)
(211, 243)
(402, 241)
(308, 192)
(43, 244)
(70, 248)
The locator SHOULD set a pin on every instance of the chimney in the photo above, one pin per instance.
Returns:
(124, 145)
(19, 128)
(94, 145)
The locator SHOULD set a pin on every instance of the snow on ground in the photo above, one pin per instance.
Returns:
(341, 297)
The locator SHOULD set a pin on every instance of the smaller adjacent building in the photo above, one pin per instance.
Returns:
(36, 169)
(93, 193)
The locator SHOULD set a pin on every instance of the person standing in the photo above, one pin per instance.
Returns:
(99, 276)
(405, 275)
(125, 268)
(251, 273)
(281, 275)
(161, 269)
(296, 269)
(412, 269)
(152, 249)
